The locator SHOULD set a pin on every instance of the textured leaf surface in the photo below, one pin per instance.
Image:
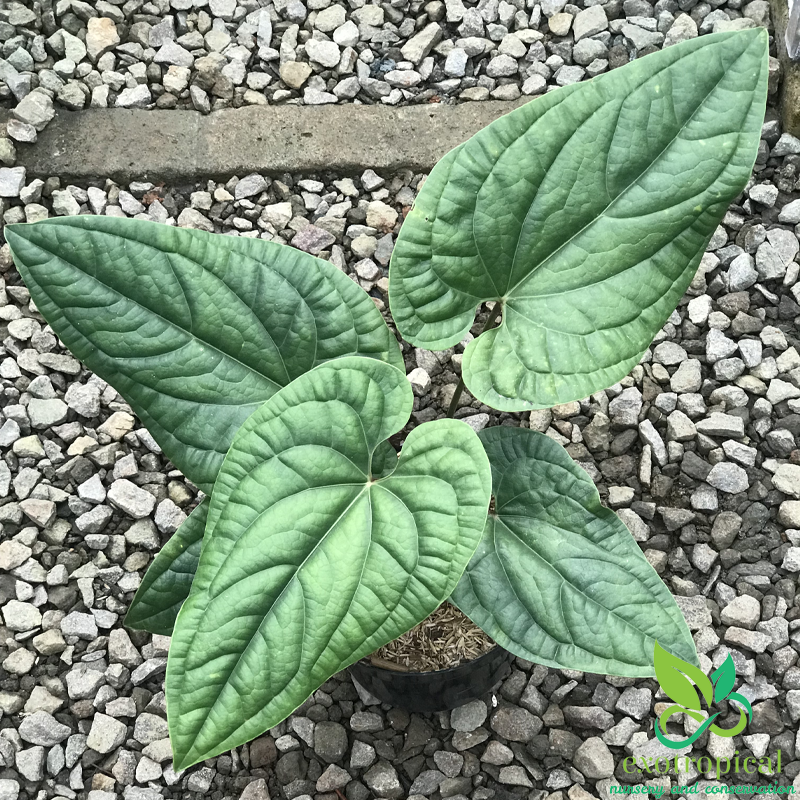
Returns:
(310, 561)
(557, 578)
(169, 578)
(195, 330)
(585, 213)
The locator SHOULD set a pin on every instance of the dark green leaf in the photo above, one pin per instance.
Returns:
(585, 214)
(310, 562)
(195, 330)
(557, 578)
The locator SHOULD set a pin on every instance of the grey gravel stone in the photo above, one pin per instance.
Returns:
(106, 734)
(764, 193)
(330, 741)
(718, 424)
(79, 624)
(364, 721)
(634, 702)
(750, 640)
(131, 499)
(250, 186)
(83, 682)
(468, 717)
(9, 789)
(515, 724)
(36, 109)
(150, 728)
(727, 477)
(137, 97)
(703, 557)
(12, 179)
(362, 755)
(382, 779)
(13, 554)
(43, 729)
(695, 611)
(420, 45)
(791, 560)
(787, 479)
(744, 612)
(30, 763)
(200, 781)
(19, 616)
(589, 22)
(594, 759)
(255, 790)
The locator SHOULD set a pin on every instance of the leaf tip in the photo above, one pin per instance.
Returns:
(135, 622)
(180, 763)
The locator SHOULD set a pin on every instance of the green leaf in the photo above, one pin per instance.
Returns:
(169, 578)
(585, 214)
(195, 330)
(723, 679)
(674, 676)
(557, 578)
(310, 563)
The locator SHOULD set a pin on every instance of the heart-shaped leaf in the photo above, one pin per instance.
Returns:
(676, 676)
(195, 330)
(557, 578)
(310, 560)
(169, 578)
(584, 213)
(724, 679)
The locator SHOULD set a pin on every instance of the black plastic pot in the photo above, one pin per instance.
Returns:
(435, 691)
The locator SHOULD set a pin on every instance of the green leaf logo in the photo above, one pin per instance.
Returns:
(673, 674)
(680, 681)
(723, 679)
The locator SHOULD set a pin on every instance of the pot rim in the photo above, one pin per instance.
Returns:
(414, 673)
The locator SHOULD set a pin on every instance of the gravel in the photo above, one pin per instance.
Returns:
(178, 54)
(106, 734)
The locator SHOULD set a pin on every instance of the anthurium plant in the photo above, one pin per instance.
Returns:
(272, 381)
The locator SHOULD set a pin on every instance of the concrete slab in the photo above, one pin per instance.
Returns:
(174, 146)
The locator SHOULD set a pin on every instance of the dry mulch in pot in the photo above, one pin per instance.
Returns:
(445, 639)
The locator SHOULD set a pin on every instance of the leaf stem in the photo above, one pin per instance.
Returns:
(490, 321)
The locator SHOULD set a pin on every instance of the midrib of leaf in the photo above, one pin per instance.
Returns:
(549, 169)
(584, 287)
(268, 611)
(509, 294)
(589, 600)
(262, 266)
(169, 322)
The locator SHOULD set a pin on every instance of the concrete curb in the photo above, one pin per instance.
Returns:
(175, 146)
